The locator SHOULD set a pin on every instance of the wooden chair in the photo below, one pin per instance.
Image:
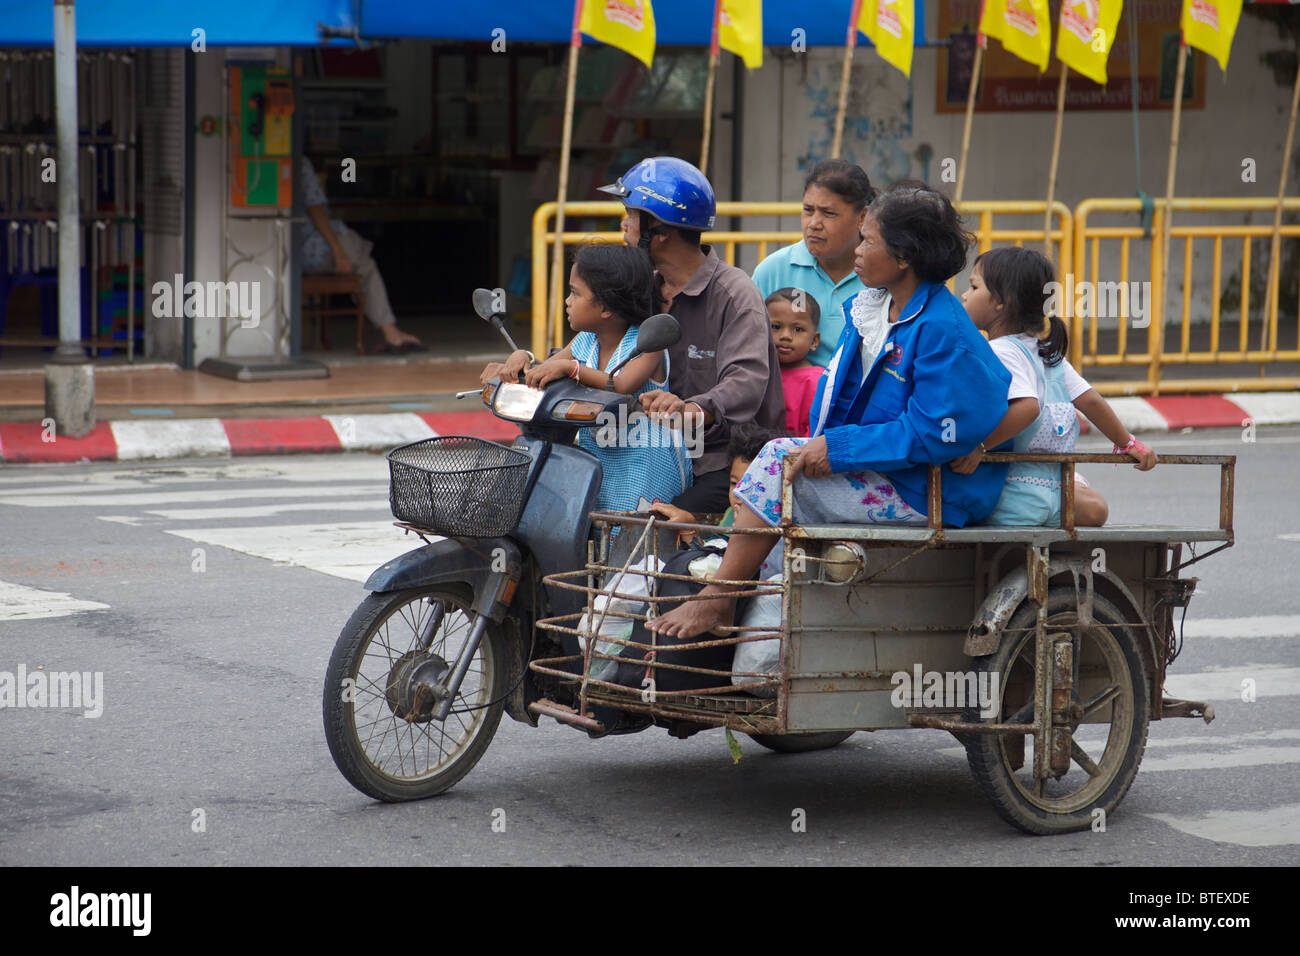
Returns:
(316, 292)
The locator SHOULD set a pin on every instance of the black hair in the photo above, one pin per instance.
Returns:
(920, 225)
(1022, 280)
(747, 440)
(801, 301)
(620, 279)
(847, 180)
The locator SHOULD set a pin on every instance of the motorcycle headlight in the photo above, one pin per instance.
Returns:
(516, 402)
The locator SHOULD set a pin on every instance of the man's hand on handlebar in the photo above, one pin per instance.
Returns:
(668, 409)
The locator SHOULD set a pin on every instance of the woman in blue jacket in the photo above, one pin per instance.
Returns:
(912, 383)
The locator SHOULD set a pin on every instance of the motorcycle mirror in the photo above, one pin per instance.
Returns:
(654, 335)
(483, 304)
(657, 333)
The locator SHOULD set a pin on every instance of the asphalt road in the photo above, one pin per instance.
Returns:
(209, 595)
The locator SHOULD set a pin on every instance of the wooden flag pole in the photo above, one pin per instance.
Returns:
(708, 89)
(1275, 249)
(1056, 158)
(970, 115)
(849, 43)
(566, 141)
(1157, 332)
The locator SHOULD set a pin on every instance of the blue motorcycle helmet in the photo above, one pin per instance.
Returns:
(669, 190)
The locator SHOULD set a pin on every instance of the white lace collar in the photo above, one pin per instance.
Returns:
(869, 312)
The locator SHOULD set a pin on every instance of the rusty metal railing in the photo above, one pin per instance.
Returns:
(1227, 471)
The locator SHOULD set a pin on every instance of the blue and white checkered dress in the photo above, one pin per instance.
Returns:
(643, 459)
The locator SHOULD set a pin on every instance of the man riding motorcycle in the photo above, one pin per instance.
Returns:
(725, 365)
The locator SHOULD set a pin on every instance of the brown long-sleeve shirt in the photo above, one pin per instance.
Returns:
(725, 361)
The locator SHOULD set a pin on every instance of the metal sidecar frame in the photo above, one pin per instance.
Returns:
(1068, 627)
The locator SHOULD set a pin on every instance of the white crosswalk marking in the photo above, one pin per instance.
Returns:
(247, 499)
(372, 503)
(348, 551)
(1227, 684)
(1272, 625)
(1277, 826)
(21, 603)
(197, 495)
(1201, 750)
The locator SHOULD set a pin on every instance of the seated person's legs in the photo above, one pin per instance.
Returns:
(378, 310)
(1090, 508)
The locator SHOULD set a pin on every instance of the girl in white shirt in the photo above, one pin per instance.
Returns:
(1009, 288)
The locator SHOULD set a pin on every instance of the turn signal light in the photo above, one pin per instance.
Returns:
(571, 411)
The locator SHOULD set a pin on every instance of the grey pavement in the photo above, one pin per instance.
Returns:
(224, 584)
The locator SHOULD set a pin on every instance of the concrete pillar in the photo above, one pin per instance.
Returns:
(70, 377)
(70, 397)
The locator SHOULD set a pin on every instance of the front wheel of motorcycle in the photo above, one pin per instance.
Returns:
(378, 705)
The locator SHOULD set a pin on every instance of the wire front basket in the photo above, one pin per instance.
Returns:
(458, 486)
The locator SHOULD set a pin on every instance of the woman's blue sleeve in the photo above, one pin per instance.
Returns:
(958, 397)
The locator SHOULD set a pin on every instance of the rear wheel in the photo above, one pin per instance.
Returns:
(802, 743)
(379, 703)
(1109, 736)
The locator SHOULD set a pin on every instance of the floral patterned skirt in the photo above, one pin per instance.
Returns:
(858, 497)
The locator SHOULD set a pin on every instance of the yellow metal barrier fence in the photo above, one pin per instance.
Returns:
(1109, 281)
(979, 216)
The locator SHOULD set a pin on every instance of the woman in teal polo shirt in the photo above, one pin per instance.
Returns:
(821, 263)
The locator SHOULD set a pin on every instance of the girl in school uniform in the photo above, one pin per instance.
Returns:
(1009, 288)
(610, 294)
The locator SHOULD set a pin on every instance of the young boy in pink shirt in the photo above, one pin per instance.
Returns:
(794, 316)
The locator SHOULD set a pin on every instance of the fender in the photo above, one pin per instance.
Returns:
(986, 632)
(491, 567)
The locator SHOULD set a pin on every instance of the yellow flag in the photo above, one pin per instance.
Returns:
(889, 24)
(1023, 26)
(1209, 25)
(1086, 34)
(626, 24)
(740, 30)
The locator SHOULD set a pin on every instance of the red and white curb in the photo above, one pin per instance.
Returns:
(1164, 413)
(228, 437)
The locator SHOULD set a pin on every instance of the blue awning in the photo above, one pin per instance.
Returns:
(171, 23)
(279, 22)
(684, 22)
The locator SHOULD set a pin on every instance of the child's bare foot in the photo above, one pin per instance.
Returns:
(692, 618)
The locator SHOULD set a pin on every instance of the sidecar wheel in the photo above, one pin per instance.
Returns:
(801, 743)
(383, 740)
(1108, 742)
